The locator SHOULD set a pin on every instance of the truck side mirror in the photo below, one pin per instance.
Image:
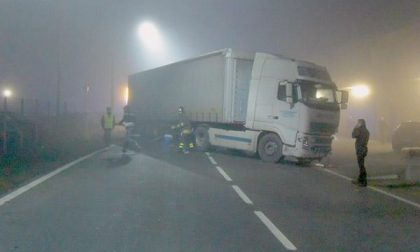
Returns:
(343, 98)
(289, 93)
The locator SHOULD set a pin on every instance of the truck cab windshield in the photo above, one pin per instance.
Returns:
(316, 93)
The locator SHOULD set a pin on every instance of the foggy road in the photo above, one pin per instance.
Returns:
(158, 201)
(280, 78)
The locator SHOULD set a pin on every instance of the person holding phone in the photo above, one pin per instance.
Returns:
(361, 134)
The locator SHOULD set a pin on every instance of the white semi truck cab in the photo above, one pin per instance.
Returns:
(293, 111)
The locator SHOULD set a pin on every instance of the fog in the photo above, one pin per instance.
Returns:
(81, 43)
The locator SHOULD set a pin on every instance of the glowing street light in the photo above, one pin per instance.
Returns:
(6, 94)
(360, 91)
(150, 36)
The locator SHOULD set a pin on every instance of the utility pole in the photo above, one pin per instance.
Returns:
(86, 90)
(58, 87)
(5, 103)
(112, 83)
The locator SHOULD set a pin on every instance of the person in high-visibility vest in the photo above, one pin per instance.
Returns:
(108, 124)
(186, 138)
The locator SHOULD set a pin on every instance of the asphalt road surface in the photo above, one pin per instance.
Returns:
(220, 201)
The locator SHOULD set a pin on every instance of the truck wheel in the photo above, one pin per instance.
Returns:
(202, 140)
(270, 148)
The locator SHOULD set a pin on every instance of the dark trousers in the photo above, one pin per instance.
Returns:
(130, 142)
(362, 168)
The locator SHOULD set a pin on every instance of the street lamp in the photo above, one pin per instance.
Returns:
(6, 94)
(150, 36)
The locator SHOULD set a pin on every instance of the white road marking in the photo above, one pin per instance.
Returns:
(376, 189)
(242, 195)
(212, 160)
(395, 196)
(207, 153)
(336, 174)
(224, 174)
(275, 231)
(34, 183)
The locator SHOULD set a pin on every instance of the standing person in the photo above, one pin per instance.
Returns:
(185, 129)
(129, 122)
(108, 124)
(361, 134)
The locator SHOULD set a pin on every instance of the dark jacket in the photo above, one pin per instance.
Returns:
(361, 134)
(128, 118)
(184, 123)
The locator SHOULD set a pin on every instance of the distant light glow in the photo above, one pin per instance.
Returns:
(360, 90)
(126, 94)
(7, 93)
(150, 36)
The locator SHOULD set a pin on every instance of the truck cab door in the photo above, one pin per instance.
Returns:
(284, 112)
(273, 112)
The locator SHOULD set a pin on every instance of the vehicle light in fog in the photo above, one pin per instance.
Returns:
(126, 94)
(360, 91)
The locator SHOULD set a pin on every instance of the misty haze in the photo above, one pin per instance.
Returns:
(198, 125)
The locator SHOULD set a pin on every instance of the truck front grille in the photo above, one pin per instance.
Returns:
(325, 128)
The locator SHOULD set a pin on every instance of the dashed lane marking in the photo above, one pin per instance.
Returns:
(212, 160)
(36, 182)
(275, 231)
(223, 173)
(242, 195)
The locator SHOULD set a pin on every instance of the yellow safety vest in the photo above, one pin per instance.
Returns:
(108, 121)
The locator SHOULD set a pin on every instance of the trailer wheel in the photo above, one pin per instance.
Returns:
(202, 140)
(270, 148)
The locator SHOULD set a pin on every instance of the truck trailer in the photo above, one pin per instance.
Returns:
(260, 103)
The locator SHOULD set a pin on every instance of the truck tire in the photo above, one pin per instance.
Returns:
(270, 148)
(202, 139)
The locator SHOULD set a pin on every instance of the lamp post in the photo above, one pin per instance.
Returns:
(6, 94)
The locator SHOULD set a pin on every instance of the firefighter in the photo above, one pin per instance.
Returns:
(361, 134)
(108, 124)
(185, 131)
